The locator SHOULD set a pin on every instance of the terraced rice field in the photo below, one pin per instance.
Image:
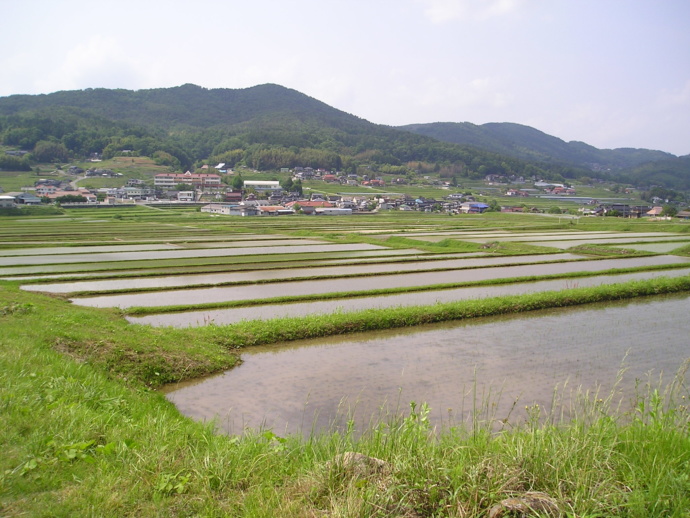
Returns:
(176, 269)
(191, 270)
(499, 365)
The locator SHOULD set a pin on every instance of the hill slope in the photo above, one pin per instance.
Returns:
(270, 126)
(527, 143)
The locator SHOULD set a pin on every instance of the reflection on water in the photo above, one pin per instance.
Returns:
(278, 274)
(351, 284)
(180, 254)
(420, 298)
(300, 386)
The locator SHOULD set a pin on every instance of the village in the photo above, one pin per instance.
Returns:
(210, 194)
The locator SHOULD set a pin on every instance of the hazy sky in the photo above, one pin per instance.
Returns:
(612, 73)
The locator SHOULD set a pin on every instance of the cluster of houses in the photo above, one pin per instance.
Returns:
(337, 205)
(259, 198)
(630, 211)
(45, 190)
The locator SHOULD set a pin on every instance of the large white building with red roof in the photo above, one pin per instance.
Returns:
(197, 180)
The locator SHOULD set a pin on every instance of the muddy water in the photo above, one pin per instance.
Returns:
(280, 274)
(422, 298)
(279, 289)
(294, 388)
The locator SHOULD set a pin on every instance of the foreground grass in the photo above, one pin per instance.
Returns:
(83, 435)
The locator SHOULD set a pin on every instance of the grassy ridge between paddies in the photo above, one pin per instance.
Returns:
(286, 299)
(83, 436)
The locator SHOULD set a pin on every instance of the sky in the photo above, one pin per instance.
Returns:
(611, 73)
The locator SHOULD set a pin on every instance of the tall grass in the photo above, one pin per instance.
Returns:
(83, 436)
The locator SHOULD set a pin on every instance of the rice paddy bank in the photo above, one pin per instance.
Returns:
(83, 436)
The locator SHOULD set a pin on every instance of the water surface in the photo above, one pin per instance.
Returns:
(420, 298)
(294, 248)
(293, 273)
(353, 284)
(294, 387)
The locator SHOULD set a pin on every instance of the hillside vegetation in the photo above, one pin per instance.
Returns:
(268, 127)
(528, 143)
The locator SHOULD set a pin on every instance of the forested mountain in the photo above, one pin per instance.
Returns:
(527, 143)
(268, 127)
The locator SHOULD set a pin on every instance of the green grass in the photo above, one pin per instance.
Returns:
(80, 439)
(85, 434)
(12, 181)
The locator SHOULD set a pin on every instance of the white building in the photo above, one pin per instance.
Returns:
(263, 185)
(185, 196)
(7, 202)
(199, 181)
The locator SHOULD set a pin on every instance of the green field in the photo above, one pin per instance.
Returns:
(86, 434)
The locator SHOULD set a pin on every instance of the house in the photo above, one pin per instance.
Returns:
(263, 185)
(308, 206)
(244, 210)
(46, 189)
(7, 202)
(186, 196)
(273, 210)
(233, 196)
(473, 207)
(626, 211)
(25, 198)
(218, 208)
(683, 214)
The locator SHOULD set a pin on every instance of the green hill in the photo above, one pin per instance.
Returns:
(268, 127)
(527, 143)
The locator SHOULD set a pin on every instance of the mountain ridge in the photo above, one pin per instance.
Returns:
(270, 126)
(526, 142)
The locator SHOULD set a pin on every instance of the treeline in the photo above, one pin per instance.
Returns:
(63, 134)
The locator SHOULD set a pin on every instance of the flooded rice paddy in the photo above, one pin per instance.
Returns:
(337, 270)
(363, 284)
(179, 254)
(192, 263)
(320, 384)
(418, 298)
(300, 386)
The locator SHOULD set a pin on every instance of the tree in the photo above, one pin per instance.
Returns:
(237, 183)
(494, 206)
(555, 210)
(70, 198)
(46, 151)
(669, 210)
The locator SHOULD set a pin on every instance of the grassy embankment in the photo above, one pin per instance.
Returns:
(83, 436)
